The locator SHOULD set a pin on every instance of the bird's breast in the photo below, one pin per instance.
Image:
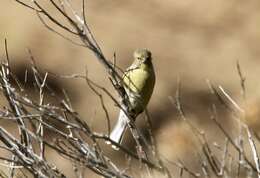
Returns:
(139, 84)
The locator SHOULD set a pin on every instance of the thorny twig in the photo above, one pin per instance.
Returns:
(70, 141)
(218, 167)
(254, 151)
(237, 147)
(79, 27)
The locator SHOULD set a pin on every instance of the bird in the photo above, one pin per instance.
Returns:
(138, 82)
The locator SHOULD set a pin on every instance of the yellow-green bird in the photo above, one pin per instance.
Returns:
(138, 82)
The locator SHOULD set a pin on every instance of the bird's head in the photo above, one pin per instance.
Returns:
(143, 55)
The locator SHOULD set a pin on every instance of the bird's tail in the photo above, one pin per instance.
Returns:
(119, 130)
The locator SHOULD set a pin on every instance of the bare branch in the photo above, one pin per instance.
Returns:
(254, 151)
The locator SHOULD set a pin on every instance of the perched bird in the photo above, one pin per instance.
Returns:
(138, 82)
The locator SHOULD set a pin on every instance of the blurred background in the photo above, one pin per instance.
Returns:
(194, 41)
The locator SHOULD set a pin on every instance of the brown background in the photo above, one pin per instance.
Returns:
(192, 40)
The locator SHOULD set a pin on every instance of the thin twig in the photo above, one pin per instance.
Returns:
(254, 151)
